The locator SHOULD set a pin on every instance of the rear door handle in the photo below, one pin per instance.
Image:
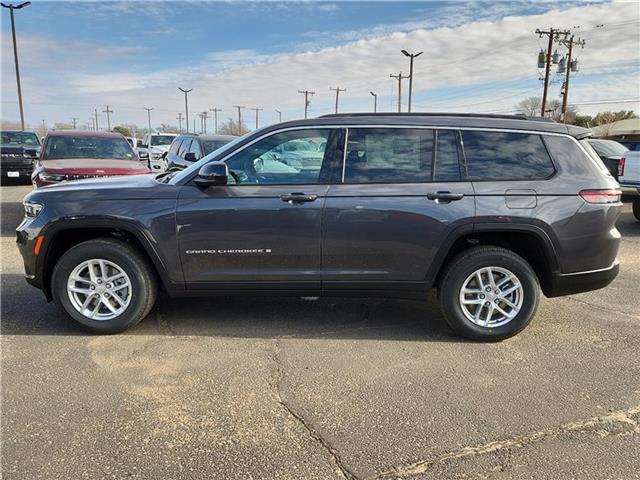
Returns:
(445, 196)
(297, 197)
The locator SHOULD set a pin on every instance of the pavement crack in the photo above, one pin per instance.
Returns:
(621, 419)
(341, 469)
(600, 307)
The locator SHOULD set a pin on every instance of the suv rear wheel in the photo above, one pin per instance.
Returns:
(488, 293)
(636, 208)
(105, 285)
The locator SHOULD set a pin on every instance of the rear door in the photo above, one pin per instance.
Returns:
(401, 191)
(262, 230)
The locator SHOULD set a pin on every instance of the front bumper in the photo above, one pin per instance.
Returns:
(570, 283)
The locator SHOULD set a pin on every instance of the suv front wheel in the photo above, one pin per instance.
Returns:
(488, 293)
(105, 285)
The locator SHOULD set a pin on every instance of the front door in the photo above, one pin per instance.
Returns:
(263, 229)
(402, 190)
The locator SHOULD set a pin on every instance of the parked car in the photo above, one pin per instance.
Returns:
(153, 149)
(629, 178)
(487, 209)
(610, 152)
(18, 152)
(633, 145)
(188, 148)
(74, 155)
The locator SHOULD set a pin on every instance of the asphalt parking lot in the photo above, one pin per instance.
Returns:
(320, 389)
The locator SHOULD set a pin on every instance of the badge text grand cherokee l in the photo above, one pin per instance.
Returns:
(490, 210)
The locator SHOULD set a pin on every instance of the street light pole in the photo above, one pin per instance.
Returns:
(279, 116)
(375, 101)
(186, 107)
(148, 116)
(411, 57)
(11, 8)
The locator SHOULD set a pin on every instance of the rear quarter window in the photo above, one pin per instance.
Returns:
(506, 156)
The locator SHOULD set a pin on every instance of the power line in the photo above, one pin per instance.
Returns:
(545, 59)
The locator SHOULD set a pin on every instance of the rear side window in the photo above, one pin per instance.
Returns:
(175, 145)
(184, 146)
(505, 156)
(378, 155)
(447, 167)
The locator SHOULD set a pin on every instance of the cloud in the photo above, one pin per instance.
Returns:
(481, 65)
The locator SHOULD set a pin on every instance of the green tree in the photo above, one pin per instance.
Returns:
(123, 130)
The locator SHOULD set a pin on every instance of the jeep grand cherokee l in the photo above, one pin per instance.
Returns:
(18, 152)
(490, 210)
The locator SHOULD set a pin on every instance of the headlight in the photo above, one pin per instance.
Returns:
(52, 177)
(32, 209)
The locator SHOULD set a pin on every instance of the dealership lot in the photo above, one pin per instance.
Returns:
(329, 388)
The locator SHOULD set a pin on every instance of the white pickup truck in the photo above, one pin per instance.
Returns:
(629, 178)
(153, 148)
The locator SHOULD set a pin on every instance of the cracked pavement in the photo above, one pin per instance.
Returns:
(259, 388)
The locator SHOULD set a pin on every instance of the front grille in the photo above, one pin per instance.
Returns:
(83, 177)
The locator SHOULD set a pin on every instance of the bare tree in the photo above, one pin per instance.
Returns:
(231, 127)
(529, 106)
(10, 125)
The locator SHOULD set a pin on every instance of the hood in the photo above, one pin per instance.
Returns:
(13, 149)
(97, 166)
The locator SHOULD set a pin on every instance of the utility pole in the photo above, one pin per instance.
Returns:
(107, 111)
(411, 57)
(279, 116)
(148, 116)
(399, 77)
(95, 112)
(337, 90)
(74, 120)
(215, 111)
(186, 107)
(375, 101)
(93, 122)
(179, 118)
(205, 115)
(11, 8)
(553, 34)
(257, 110)
(571, 66)
(44, 129)
(239, 107)
(306, 100)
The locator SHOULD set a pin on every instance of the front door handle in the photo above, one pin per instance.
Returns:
(297, 197)
(445, 196)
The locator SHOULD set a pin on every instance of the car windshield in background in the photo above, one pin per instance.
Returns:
(19, 138)
(608, 148)
(162, 139)
(212, 145)
(59, 148)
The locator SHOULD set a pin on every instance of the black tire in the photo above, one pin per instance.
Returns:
(136, 266)
(636, 208)
(469, 261)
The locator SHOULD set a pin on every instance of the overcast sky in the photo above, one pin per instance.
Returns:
(478, 56)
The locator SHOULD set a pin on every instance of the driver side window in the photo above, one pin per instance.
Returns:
(287, 158)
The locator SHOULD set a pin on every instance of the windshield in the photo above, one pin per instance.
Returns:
(608, 148)
(162, 139)
(212, 145)
(20, 138)
(63, 147)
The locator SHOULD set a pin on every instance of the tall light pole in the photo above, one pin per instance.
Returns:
(375, 101)
(279, 115)
(186, 107)
(11, 8)
(411, 57)
(148, 116)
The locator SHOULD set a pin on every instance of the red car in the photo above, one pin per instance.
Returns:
(75, 155)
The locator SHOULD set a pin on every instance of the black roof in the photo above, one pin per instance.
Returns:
(461, 120)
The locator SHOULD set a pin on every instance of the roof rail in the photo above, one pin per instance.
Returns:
(437, 114)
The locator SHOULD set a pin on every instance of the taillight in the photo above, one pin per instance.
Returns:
(601, 196)
(621, 167)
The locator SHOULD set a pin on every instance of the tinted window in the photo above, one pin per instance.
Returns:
(269, 160)
(175, 145)
(161, 139)
(505, 156)
(67, 146)
(195, 148)
(184, 146)
(379, 155)
(608, 148)
(212, 145)
(447, 167)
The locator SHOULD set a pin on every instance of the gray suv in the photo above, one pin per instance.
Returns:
(490, 210)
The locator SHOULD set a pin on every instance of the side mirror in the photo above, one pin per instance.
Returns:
(164, 155)
(213, 173)
(190, 157)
